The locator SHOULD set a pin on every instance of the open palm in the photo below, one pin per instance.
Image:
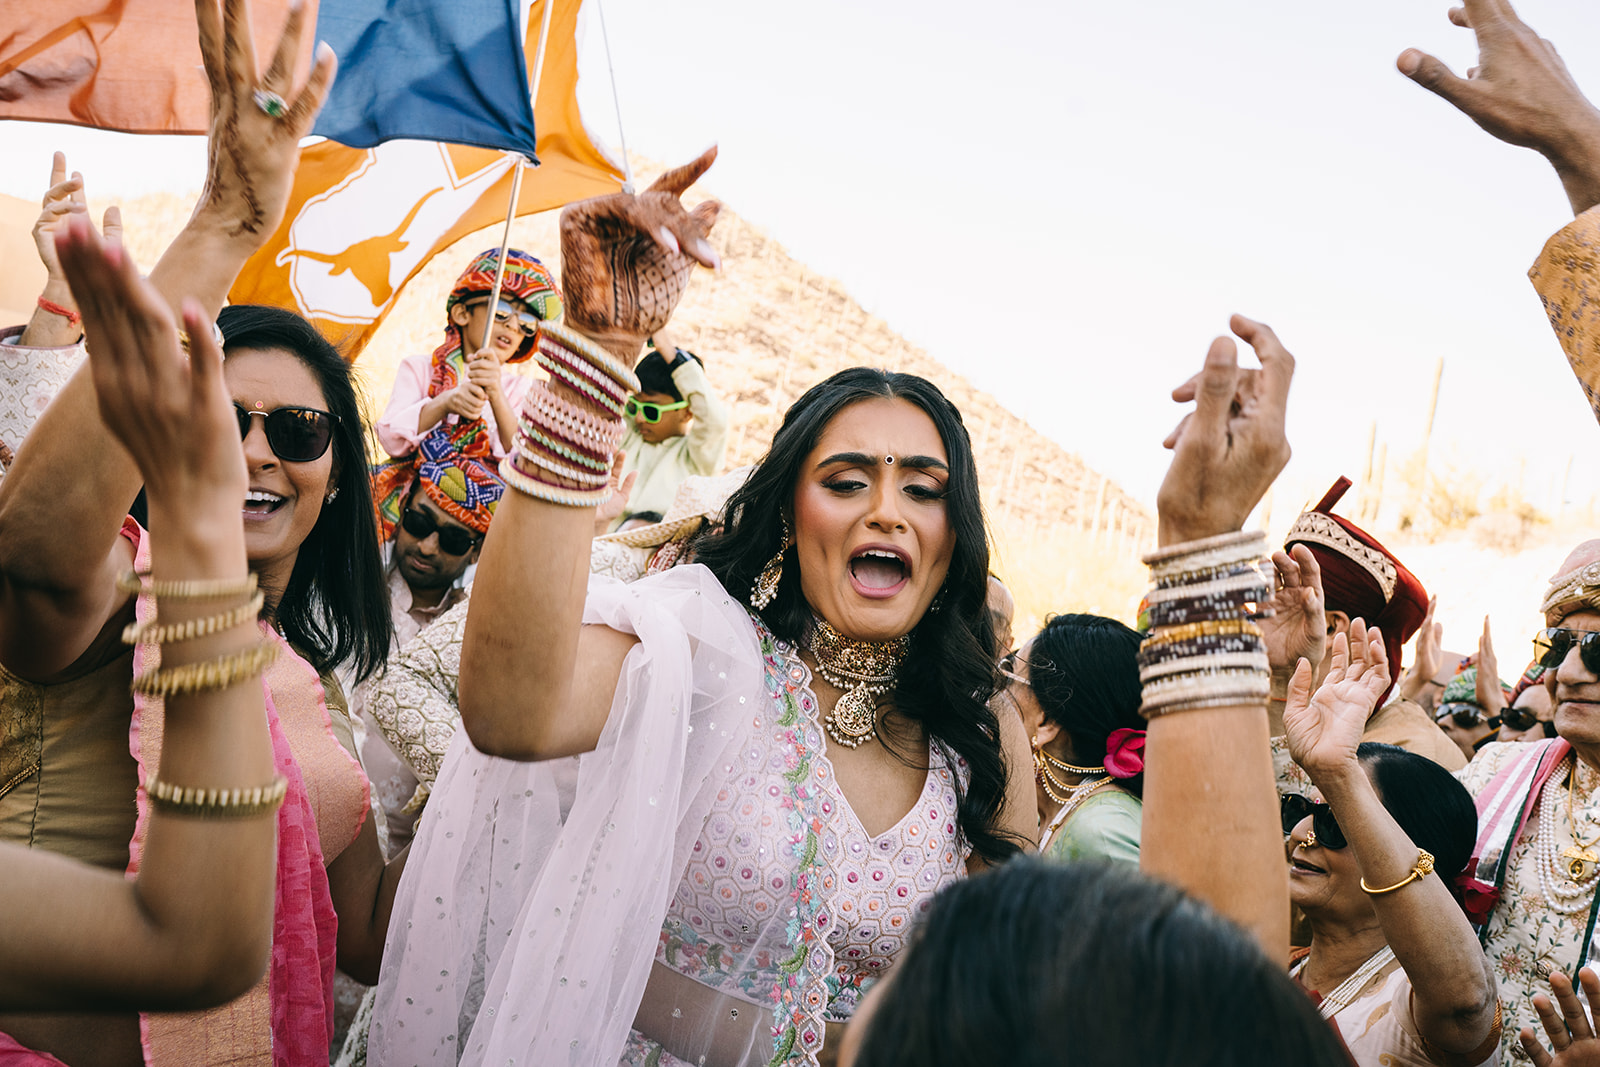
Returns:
(1324, 729)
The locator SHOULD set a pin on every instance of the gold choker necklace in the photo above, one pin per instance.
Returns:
(863, 671)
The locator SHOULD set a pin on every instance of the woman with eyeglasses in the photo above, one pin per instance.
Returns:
(1531, 714)
(1076, 685)
(77, 748)
(1394, 963)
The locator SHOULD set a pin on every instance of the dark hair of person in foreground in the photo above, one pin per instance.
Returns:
(948, 675)
(1044, 964)
(335, 609)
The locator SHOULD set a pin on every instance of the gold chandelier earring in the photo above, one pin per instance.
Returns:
(765, 589)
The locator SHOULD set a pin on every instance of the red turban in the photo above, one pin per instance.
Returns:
(1359, 576)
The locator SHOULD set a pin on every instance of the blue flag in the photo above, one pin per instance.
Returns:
(427, 70)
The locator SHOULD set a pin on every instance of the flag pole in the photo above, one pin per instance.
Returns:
(520, 162)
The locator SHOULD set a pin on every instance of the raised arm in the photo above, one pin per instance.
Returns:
(535, 683)
(1211, 821)
(56, 322)
(57, 593)
(1452, 984)
(194, 929)
(1521, 92)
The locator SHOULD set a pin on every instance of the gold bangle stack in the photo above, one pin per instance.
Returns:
(216, 803)
(150, 632)
(219, 673)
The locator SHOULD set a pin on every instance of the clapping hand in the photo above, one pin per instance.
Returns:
(1230, 448)
(1570, 1031)
(1491, 698)
(626, 260)
(1324, 729)
(62, 201)
(1521, 92)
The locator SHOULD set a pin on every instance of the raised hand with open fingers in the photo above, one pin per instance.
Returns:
(626, 260)
(1490, 696)
(173, 414)
(257, 119)
(1296, 627)
(1230, 448)
(1570, 1030)
(1323, 729)
(1520, 92)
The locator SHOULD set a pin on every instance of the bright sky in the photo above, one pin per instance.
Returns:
(1064, 202)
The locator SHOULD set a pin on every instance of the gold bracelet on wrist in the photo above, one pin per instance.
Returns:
(150, 632)
(216, 803)
(195, 589)
(1422, 868)
(219, 673)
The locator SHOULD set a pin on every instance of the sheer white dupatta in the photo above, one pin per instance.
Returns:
(517, 939)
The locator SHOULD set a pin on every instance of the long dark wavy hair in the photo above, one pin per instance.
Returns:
(948, 676)
(335, 608)
(1040, 964)
(1084, 671)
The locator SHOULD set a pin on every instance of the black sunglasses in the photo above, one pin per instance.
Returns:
(1550, 647)
(1521, 719)
(296, 435)
(1467, 717)
(453, 540)
(1294, 808)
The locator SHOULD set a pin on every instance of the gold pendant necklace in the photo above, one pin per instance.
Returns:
(1580, 855)
(863, 671)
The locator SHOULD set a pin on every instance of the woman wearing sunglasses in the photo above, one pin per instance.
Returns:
(77, 747)
(1393, 963)
(1076, 685)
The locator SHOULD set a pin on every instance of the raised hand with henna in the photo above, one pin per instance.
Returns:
(1227, 451)
(1569, 1030)
(1520, 92)
(626, 260)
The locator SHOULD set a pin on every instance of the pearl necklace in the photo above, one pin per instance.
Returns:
(1345, 991)
(1562, 892)
(1075, 797)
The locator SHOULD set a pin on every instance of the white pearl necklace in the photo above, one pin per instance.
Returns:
(1345, 991)
(1561, 893)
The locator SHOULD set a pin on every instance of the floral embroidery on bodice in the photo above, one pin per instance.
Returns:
(742, 871)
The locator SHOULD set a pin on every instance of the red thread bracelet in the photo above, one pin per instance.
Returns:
(72, 317)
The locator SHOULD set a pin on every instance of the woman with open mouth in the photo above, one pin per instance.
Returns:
(786, 748)
(1394, 963)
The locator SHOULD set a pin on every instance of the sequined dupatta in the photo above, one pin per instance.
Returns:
(518, 938)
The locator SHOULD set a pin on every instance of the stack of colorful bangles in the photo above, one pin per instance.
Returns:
(564, 450)
(224, 672)
(1204, 650)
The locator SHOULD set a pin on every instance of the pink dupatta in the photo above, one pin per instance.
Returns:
(287, 1018)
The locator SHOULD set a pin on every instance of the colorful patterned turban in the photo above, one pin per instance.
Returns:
(464, 488)
(1359, 576)
(527, 279)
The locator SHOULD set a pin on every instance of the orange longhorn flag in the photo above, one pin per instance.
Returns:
(362, 222)
(130, 65)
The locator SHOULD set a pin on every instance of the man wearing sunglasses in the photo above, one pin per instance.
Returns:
(678, 426)
(1538, 851)
(445, 515)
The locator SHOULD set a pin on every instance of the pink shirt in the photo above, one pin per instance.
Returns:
(398, 431)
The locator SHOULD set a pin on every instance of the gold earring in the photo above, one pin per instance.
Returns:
(766, 587)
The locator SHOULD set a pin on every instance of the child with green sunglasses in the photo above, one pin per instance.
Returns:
(677, 425)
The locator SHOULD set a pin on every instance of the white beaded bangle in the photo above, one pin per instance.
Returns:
(580, 345)
(550, 466)
(561, 448)
(1172, 553)
(527, 486)
(1255, 661)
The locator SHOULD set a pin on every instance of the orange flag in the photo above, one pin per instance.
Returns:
(131, 65)
(362, 222)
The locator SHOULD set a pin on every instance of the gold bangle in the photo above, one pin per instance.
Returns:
(1422, 868)
(151, 633)
(216, 803)
(197, 589)
(184, 342)
(219, 673)
(1210, 628)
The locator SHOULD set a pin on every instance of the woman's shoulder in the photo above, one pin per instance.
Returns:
(1105, 826)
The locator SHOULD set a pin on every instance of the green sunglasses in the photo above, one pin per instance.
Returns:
(651, 412)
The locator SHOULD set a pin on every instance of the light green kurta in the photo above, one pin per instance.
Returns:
(1105, 827)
